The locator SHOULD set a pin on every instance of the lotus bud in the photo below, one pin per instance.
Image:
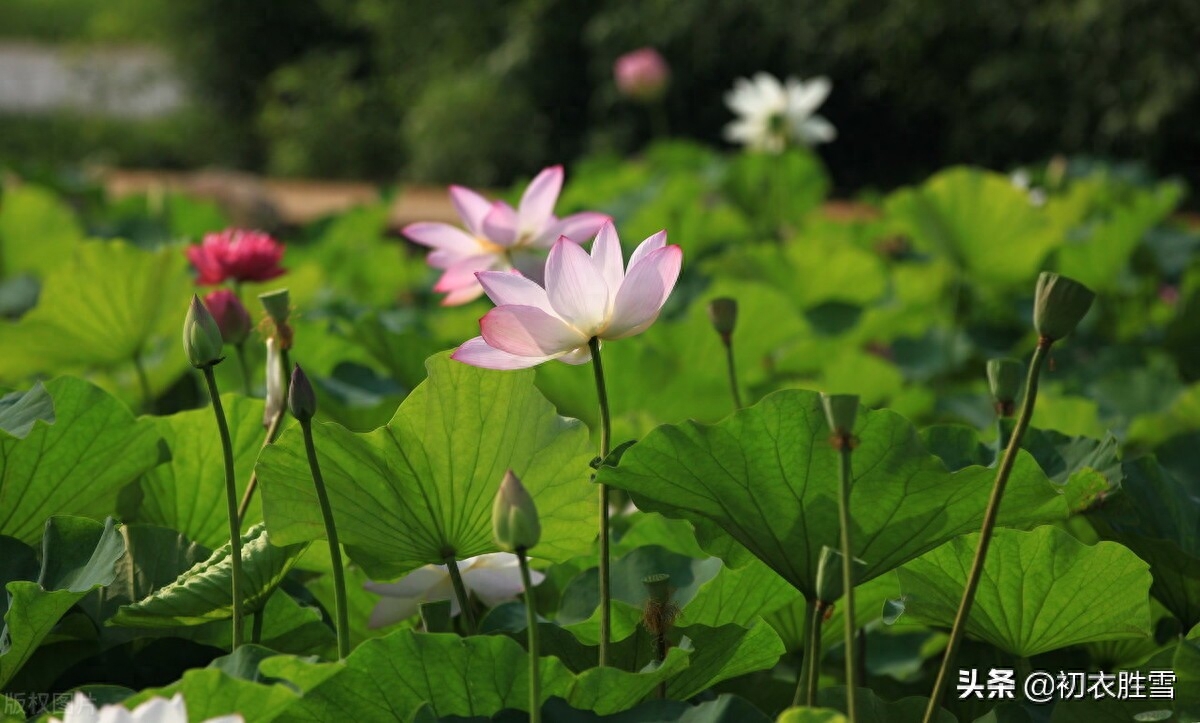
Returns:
(840, 411)
(231, 315)
(275, 383)
(723, 314)
(201, 336)
(1004, 380)
(515, 523)
(1059, 304)
(302, 400)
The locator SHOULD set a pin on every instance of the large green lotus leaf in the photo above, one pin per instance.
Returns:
(204, 593)
(739, 595)
(156, 557)
(1100, 251)
(211, 693)
(78, 555)
(100, 307)
(37, 230)
(767, 477)
(188, 492)
(811, 715)
(1153, 514)
(390, 678)
(980, 221)
(1180, 707)
(421, 488)
(717, 653)
(75, 466)
(1041, 590)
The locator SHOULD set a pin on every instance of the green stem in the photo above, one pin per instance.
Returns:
(272, 433)
(806, 682)
(241, 355)
(605, 442)
(235, 535)
(143, 383)
(256, 627)
(989, 524)
(460, 592)
(844, 477)
(733, 385)
(535, 674)
(335, 550)
(659, 125)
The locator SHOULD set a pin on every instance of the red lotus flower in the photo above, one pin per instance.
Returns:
(238, 255)
(232, 318)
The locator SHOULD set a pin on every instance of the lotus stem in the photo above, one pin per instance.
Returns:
(844, 442)
(335, 551)
(272, 433)
(460, 591)
(806, 682)
(235, 534)
(143, 383)
(989, 524)
(605, 444)
(733, 384)
(242, 363)
(535, 674)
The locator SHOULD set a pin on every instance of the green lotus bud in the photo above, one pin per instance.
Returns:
(201, 336)
(278, 305)
(840, 411)
(515, 523)
(1059, 304)
(302, 400)
(1004, 379)
(722, 313)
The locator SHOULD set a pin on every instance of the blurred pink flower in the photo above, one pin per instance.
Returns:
(1168, 294)
(642, 74)
(232, 318)
(497, 236)
(585, 296)
(238, 255)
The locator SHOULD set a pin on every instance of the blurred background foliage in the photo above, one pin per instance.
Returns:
(484, 92)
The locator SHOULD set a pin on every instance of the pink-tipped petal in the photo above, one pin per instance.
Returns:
(645, 290)
(528, 331)
(477, 353)
(462, 273)
(537, 203)
(471, 207)
(511, 288)
(500, 224)
(576, 289)
(650, 245)
(442, 236)
(607, 258)
(579, 227)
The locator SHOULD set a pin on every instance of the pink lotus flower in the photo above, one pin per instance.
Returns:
(642, 74)
(238, 255)
(585, 297)
(232, 318)
(497, 236)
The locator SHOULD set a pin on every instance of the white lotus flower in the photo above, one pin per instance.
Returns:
(772, 114)
(494, 578)
(81, 709)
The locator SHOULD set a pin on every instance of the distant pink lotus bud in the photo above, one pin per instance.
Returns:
(238, 255)
(642, 74)
(1168, 294)
(232, 318)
